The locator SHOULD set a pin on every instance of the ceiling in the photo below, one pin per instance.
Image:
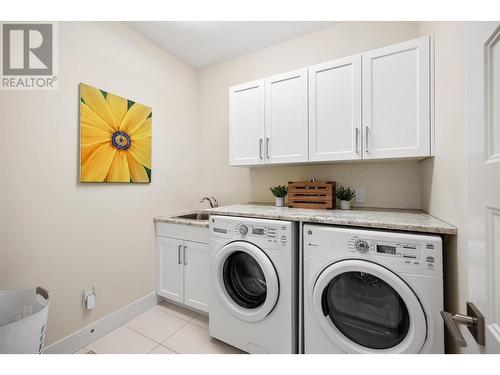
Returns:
(200, 44)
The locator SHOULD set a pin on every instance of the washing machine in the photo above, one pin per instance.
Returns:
(253, 294)
(372, 291)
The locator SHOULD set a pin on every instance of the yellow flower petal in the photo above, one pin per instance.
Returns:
(137, 171)
(95, 100)
(135, 117)
(142, 131)
(90, 135)
(97, 165)
(119, 171)
(141, 151)
(87, 150)
(89, 117)
(118, 106)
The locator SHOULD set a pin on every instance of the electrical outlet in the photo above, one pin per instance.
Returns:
(360, 195)
(89, 298)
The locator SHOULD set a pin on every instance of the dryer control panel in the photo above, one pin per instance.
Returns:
(413, 254)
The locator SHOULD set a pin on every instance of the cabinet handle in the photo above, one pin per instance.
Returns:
(366, 136)
(357, 140)
(185, 256)
(260, 148)
(267, 147)
(179, 254)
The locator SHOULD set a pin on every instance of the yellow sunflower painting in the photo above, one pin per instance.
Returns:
(115, 138)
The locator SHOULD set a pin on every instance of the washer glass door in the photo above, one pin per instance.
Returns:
(245, 281)
(364, 307)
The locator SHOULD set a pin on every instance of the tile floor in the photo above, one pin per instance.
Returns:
(164, 329)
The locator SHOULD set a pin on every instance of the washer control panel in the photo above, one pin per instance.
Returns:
(362, 246)
(272, 233)
(243, 229)
(264, 233)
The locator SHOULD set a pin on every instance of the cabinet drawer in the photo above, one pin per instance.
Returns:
(182, 231)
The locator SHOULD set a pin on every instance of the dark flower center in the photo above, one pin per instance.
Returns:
(121, 140)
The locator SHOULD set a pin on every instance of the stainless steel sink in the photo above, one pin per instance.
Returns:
(193, 216)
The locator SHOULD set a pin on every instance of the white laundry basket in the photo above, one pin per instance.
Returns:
(23, 320)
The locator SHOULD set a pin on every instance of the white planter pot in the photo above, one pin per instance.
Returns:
(280, 202)
(345, 205)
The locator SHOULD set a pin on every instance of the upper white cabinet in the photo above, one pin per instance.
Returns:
(286, 117)
(335, 110)
(246, 119)
(396, 100)
(374, 105)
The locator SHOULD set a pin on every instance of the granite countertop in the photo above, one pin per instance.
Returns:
(406, 220)
(173, 219)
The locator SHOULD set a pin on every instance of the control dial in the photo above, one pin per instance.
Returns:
(243, 229)
(362, 247)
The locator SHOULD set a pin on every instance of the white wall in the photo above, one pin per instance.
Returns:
(64, 235)
(388, 184)
(443, 178)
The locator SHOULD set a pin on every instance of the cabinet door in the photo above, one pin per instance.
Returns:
(335, 110)
(286, 117)
(169, 268)
(196, 280)
(246, 124)
(396, 100)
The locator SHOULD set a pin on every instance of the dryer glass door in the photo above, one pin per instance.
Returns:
(365, 308)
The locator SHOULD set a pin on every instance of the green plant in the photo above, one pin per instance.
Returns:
(345, 194)
(279, 191)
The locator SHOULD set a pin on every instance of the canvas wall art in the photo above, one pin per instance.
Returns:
(115, 138)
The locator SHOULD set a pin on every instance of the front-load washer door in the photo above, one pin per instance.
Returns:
(245, 281)
(364, 308)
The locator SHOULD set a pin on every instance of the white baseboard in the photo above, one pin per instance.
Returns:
(74, 342)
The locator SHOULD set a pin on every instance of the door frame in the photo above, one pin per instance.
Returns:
(483, 205)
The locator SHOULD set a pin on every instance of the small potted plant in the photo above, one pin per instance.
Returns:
(345, 195)
(279, 192)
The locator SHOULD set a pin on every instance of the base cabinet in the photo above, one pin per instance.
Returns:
(170, 271)
(196, 279)
(182, 270)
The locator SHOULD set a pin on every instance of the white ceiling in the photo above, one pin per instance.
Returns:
(203, 43)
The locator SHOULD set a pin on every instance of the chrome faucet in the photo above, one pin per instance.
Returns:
(213, 202)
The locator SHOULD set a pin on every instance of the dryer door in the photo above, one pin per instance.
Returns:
(364, 308)
(246, 281)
